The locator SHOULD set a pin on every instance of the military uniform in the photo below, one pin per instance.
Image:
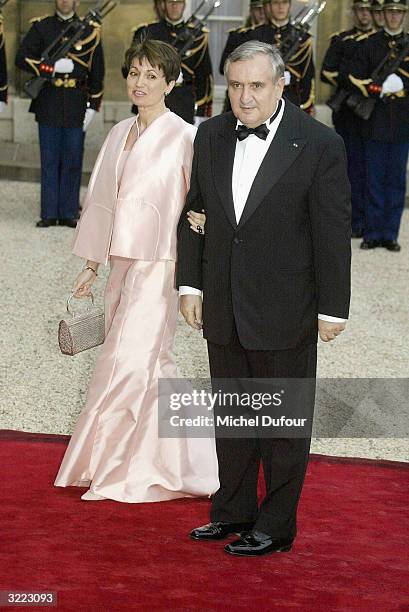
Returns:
(59, 110)
(3, 64)
(194, 96)
(335, 69)
(301, 90)
(386, 135)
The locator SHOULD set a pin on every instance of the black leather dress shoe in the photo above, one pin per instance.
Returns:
(46, 222)
(370, 244)
(68, 222)
(218, 530)
(391, 245)
(356, 234)
(257, 543)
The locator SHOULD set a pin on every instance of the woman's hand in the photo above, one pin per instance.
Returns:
(82, 284)
(197, 221)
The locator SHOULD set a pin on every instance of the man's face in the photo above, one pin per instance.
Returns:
(252, 92)
(65, 7)
(394, 19)
(363, 17)
(257, 15)
(280, 10)
(174, 10)
(378, 18)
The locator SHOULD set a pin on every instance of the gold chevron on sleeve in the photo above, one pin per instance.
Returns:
(331, 77)
(361, 84)
(33, 64)
(311, 98)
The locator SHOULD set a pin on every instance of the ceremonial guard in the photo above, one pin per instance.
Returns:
(377, 14)
(336, 66)
(279, 31)
(257, 15)
(3, 68)
(192, 96)
(380, 82)
(64, 108)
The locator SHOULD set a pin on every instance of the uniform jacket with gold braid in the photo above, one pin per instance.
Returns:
(301, 90)
(195, 95)
(3, 64)
(337, 64)
(63, 100)
(389, 122)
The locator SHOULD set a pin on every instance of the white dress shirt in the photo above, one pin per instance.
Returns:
(248, 158)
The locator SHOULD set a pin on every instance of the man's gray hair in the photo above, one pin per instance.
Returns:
(251, 48)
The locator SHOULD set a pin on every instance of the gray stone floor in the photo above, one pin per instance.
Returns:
(43, 391)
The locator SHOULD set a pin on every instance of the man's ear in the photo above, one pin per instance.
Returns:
(281, 84)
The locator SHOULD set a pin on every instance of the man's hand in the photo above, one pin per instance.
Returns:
(89, 115)
(392, 85)
(329, 331)
(64, 65)
(191, 309)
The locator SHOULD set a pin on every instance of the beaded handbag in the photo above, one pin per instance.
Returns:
(81, 331)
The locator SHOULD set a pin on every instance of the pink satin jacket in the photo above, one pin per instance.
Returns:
(139, 218)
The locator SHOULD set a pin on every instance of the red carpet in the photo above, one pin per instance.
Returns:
(351, 553)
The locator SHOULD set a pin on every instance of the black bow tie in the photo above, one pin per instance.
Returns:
(261, 131)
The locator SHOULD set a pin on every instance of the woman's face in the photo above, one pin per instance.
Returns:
(146, 84)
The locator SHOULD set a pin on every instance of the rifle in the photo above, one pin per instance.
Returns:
(337, 99)
(364, 107)
(64, 42)
(302, 26)
(193, 27)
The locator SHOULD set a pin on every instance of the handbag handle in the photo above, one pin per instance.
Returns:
(69, 310)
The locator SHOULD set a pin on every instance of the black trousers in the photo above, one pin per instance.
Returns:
(284, 460)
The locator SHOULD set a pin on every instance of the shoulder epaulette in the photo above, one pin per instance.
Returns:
(334, 34)
(144, 25)
(247, 28)
(35, 19)
(362, 37)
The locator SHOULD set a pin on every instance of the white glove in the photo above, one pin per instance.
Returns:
(199, 120)
(2, 106)
(287, 77)
(89, 115)
(392, 85)
(65, 65)
(180, 78)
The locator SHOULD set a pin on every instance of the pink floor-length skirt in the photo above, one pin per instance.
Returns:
(115, 448)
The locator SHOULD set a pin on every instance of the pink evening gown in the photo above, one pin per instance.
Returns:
(115, 449)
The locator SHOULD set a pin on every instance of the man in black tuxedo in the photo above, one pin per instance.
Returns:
(274, 267)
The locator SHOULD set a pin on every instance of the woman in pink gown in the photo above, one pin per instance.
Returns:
(134, 199)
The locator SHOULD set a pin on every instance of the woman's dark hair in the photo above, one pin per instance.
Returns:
(159, 55)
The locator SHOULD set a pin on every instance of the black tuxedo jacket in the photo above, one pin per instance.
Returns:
(288, 258)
